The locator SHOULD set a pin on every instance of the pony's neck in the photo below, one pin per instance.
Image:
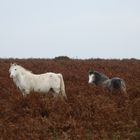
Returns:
(24, 71)
(17, 79)
(21, 76)
(100, 78)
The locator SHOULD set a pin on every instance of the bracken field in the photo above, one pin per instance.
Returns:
(89, 113)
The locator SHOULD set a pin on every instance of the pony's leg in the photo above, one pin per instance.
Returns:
(110, 89)
(56, 92)
(25, 92)
(123, 90)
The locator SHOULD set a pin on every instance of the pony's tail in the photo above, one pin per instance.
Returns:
(62, 86)
(123, 88)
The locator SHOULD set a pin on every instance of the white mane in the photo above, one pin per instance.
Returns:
(23, 69)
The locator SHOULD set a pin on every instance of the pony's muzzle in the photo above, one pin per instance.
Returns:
(11, 76)
(90, 82)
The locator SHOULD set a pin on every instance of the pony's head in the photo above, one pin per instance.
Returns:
(96, 77)
(13, 70)
(91, 77)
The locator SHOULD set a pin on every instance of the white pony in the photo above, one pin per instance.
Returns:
(26, 81)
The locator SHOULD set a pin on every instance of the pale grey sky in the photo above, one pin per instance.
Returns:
(75, 28)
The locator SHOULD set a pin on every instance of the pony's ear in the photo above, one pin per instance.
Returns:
(90, 70)
(13, 64)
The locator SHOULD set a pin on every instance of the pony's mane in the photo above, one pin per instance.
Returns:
(24, 69)
(100, 77)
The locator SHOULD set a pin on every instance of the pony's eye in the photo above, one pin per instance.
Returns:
(15, 69)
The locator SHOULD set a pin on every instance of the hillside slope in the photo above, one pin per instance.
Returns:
(90, 113)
